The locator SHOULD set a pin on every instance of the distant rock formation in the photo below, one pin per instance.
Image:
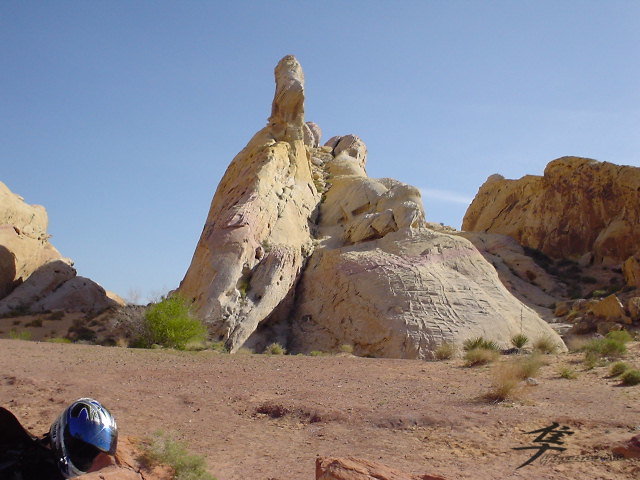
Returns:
(34, 277)
(301, 246)
(578, 208)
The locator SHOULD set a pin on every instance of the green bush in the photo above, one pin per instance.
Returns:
(620, 336)
(346, 348)
(163, 449)
(631, 377)
(170, 323)
(618, 368)
(519, 340)
(275, 349)
(567, 373)
(605, 347)
(479, 342)
(445, 351)
(20, 335)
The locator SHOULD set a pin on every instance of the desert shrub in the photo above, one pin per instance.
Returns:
(605, 347)
(58, 340)
(620, 336)
(445, 351)
(519, 340)
(19, 334)
(346, 348)
(36, 322)
(170, 323)
(218, 347)
(505, 383)
(618, 368)
(631, 377)
(567, 373)
(163, 449)
(275, 349)
(545, 345)
(479, 342)
(317, 353)
(527, 366)
(480, 356)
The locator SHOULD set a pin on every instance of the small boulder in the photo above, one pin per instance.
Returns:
(628, 449)
(610, 309)
(350, 468)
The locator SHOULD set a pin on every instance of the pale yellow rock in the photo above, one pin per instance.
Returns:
(631, 271)
(610, 309)
(33, 275)
(404, 295)
(525, 279)
(257, 235)
(374, 275)
(578, 206)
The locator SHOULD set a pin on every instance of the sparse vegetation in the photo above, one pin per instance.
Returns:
(170, 323)
(346, 348)
(618, 368)
(631, 377)
(275, 349)
(567, 373)
(505, 384)
(480, 356)
(620, 336)
(445, 351)
(545, 345)
(479, 342)
(605, 347)
(163, 449)
(528, 366)
(317, 353)
(19, 334)
(519, 340)
(58, 340)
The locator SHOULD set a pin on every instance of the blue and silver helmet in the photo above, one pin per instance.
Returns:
(80, 433)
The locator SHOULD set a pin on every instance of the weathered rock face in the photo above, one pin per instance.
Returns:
(300, 246)
(351, 468)
(34, 276)
(257, 233)
(579, 206)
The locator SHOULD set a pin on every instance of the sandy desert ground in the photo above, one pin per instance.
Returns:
(268, 417)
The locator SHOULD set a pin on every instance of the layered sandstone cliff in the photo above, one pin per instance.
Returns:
(301, 246)
(579, 207)
(34, 277)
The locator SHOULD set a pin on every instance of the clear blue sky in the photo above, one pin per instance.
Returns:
(121, 117)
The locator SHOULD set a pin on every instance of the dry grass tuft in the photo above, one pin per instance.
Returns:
(506, 383)
(446, 351)
(480, 356)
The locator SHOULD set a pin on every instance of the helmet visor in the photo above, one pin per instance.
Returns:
(101, 436)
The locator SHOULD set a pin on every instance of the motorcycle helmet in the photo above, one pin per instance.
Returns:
(80, 433)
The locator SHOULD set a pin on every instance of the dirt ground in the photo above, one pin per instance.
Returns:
(268, 417)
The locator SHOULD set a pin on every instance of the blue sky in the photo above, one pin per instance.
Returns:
(121, 117)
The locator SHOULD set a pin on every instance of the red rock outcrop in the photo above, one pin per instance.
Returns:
(579, 206)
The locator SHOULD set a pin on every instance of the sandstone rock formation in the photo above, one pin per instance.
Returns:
(34, 277)
(302, 247)
(578, 207)
(257, 234)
